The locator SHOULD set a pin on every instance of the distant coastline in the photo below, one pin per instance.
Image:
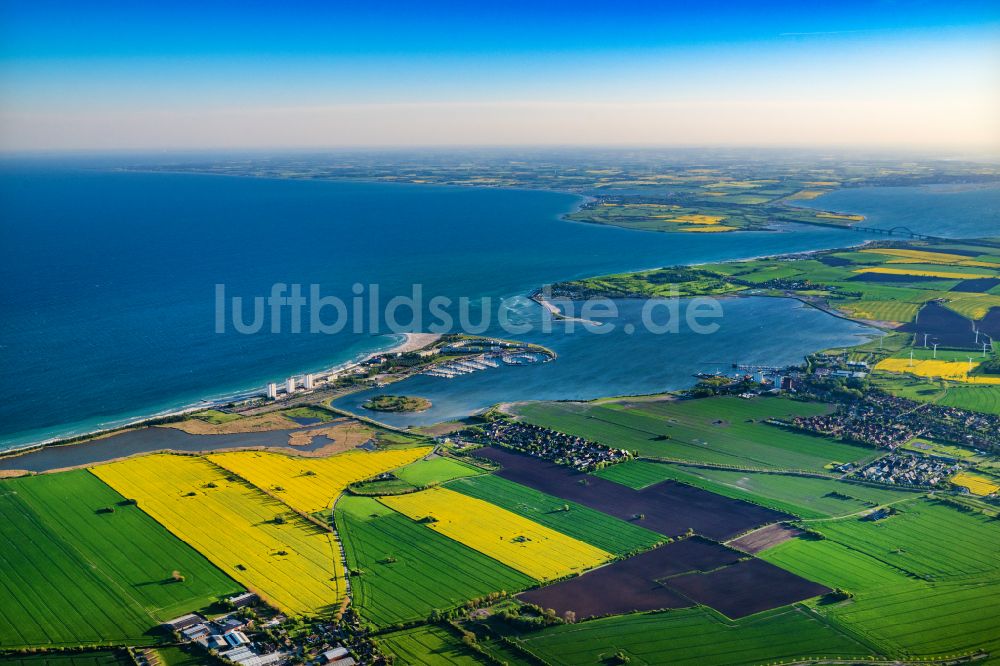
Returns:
(172, 413)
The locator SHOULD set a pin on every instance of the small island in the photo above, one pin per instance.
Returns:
(396, 403)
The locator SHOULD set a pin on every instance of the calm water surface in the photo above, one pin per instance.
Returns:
(952, 211)
(754, 331)
(107, 286)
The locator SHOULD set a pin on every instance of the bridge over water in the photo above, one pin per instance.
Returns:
(905, 232)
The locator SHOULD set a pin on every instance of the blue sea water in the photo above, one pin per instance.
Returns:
(950, 211)
(108, 281)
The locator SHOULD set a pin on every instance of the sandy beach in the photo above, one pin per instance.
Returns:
(557, 314)
(415, 341)
(410, 342)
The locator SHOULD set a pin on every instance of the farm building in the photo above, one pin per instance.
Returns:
(336, 654)
(195, 632)
(244, 656)
(183, 622)
(230, 623)
(241, 600)
(215, 642)
(236, 638)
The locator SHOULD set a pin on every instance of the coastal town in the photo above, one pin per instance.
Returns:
(576, 452)
(909, 469)
(442, 356)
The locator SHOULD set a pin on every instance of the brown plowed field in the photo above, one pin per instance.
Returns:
(745, 588)
(669, 508)
(630, 585)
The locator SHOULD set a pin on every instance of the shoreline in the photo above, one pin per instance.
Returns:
(556, 313)
(410, 342)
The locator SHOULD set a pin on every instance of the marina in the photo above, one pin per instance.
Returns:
(487, 361)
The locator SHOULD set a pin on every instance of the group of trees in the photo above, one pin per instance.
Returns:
(990, 366)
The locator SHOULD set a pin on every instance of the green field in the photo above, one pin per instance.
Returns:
(909, 387)
(435, 470)
(864, 295)
(309, 412)
(883, 310)
(70, 575)
(806, 497)
(923, 354)
(103, 658)
(901, 615)
(721, 431)
(976, 398)
(695, 636)
(417, 475)
(836, 565)
(593, 527)
(396, 403)
(927, 539)
(175, 655)
(937, 449)
(936, 620)
(215, 417)
(428, 645)
(407, 570)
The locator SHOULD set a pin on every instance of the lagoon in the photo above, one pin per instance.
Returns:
(753, 331)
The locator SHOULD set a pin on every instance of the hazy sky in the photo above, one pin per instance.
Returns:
(135, 75)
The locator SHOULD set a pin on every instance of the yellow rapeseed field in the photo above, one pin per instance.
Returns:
(715, 228)
(700, 219)
(905, 256)
(841, 216)
(740, 184)
(977, 485)
(965, 264)
(312, 484)
(291, 563)
(882, 310)
(956, 371)
(922, 273)
(972, 305)
(807, 194)
(691, 218)
(533, 549)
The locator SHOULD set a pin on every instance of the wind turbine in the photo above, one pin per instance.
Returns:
(925, 340)
(985, 344)
(911, 358)
(935, 348)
